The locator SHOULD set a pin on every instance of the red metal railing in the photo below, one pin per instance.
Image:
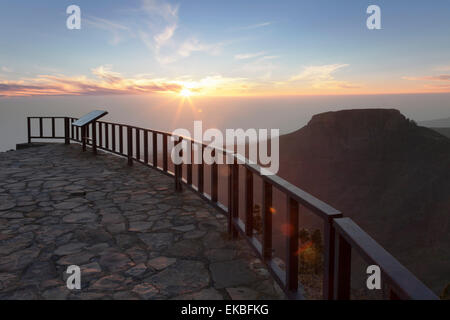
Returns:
(341, 235)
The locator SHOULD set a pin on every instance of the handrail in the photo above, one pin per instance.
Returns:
(340, 234)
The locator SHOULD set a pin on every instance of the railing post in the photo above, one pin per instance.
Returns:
(200, 180)
(41, 127)
(120, 139)
(72, 129)
(106, 135)
(248, 202)
(130, 145)
(29, 129)
(230, 198)
(292, 245)
(138, 143)
(83, 137)
(342, 269)
(155, 149)
(113, 137)
(145, 146)
(189, 165)
(214, 178)
(94, 137)
(53, 127)
(235, 197)
(165, 162)
(328, 259)
(100, 134)
(267, 221)
(178, 168)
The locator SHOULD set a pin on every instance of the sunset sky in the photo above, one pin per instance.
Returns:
(223, 48)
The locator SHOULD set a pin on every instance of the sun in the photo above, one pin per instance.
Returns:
(185, 93)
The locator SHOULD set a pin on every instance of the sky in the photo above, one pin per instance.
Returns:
(223, 48)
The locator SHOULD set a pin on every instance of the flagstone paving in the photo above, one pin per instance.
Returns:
(131, 234)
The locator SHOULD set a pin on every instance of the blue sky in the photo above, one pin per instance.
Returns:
(224, 47)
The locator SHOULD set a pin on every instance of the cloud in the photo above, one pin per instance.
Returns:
(253, 26)
(442, 77)
(243, 56)
(7, 69)
(322, 76)
(162, 38)
(261, 67)
(119, 31)
(105, 82)
(193, 44)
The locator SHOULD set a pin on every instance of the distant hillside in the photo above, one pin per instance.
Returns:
(444, 131)
(438, 123)
(388, 174)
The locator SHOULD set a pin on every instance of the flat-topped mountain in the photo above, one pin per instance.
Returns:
(385, 172)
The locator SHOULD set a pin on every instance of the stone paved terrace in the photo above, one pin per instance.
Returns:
(131, 234)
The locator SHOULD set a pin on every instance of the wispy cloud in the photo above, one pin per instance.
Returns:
(442, 77)
(118, 31)
(243, 56)
(6, 69)
(105, 82)
(322, 77)
(253, 26)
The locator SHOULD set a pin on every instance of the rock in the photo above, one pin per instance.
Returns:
(116, 228)
(194, 234)
(185, 248)
(111, 282)
(112, 218)
(161, 263)
(7, 205)
(182, 277)
(205, 294)
(215, 255)
(242, 293)
(137, 270)
(13, 244)
(78, 193)
(67, 205)
(76, 259)
(146, 291)
(231, 273)
(7, 280)
(125, 295)
(157, 241)
(162, 224)
(140, 226)
(58, 293)
(185, 228)
(115, 261)
(80, 218)
(55, 184)
(69, 248)
(90, 269)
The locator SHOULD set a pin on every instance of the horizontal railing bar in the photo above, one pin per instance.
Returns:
(47, 117)
(405, 283)
(45, 137)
